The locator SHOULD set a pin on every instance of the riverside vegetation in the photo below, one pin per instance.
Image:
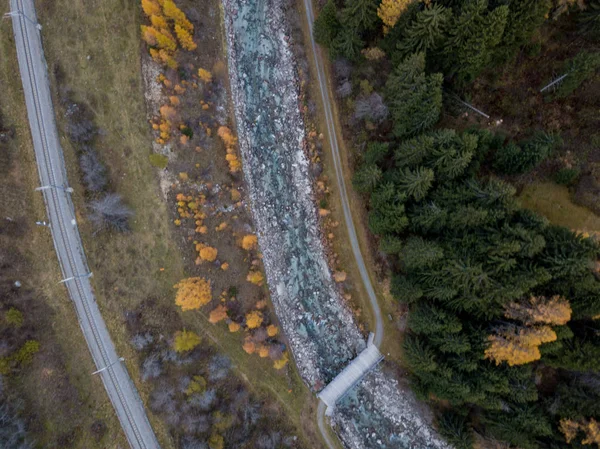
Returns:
(504, 307)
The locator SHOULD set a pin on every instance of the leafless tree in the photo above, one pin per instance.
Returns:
(342, 69)
(109, 212)
(371, 107)
(151, 368)
(94, 174)
(344, 89)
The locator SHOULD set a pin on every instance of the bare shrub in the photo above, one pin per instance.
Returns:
(218, 367)
(13, 433)
(151, 368)
(94, 173)
(344, 89)
(342, 68)
(109, 212)
(140, 341)
(371, 107)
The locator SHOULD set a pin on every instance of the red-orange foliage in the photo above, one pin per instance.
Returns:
(219, 313)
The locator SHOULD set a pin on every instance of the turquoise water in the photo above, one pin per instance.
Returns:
(321, 331)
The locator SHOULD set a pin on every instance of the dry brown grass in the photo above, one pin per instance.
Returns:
(100, 62)
(62, 368)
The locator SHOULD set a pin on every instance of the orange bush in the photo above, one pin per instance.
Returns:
(234, 327)
(192, 293)
(249, 242)
(272, 330)
(218, 314)
(249, 346)
(207, 253)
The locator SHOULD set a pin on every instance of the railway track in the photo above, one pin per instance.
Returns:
(66, 238)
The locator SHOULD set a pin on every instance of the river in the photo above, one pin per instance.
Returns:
(321, 331)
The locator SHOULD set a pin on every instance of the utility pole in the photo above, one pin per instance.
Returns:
(50, 186)
(557, 80)
(22, 14)
(120, 359)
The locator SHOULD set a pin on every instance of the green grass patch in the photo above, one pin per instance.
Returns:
(159, 160)
(554, 202)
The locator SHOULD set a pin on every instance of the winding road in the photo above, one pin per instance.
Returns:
(339, 174)
(67, 241)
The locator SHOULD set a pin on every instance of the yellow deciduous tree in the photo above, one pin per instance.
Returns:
(591, 428)
(216, 441)
(263, 351)
(186, 341)
(254, 319)
(159, 22)
(518, 345)
(204, 75)
(193, 293)
(151, 8)
(538, 309)
(226, 136)
(373, 53)
(177, 15)
(249, 242)
(389, 12)
(218, 314)
(279, 364)
(255, 277)
(185, 38)
(272, 330)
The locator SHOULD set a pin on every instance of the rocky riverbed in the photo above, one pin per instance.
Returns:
(320, 328)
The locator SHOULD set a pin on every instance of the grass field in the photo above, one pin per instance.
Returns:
(73, 399)
(554, 202)
(99, 61)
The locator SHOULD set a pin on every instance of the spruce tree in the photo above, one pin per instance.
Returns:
(578, 69)
(327, 26)
(366, 178)
(415, 183)
(419, 253)
(347, 43)
(426, 33)
(414, 98)
(473, 37)
(524, 18)
(360, 15)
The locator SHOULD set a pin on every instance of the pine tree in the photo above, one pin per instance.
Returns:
(366, 178)
(524, 18)
(427, 32)
(428, 217)
(327, 25)
(360, 15)
(387, 210)
(347, 44)
(578, 69)
(429, 319)
(415, 183)
(413, 151)
(376, 152)
(390, 244)
(472, 39)
(419, 253)
(419, 356)
(414, 98)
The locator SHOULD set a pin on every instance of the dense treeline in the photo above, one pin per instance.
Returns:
(504, 330)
